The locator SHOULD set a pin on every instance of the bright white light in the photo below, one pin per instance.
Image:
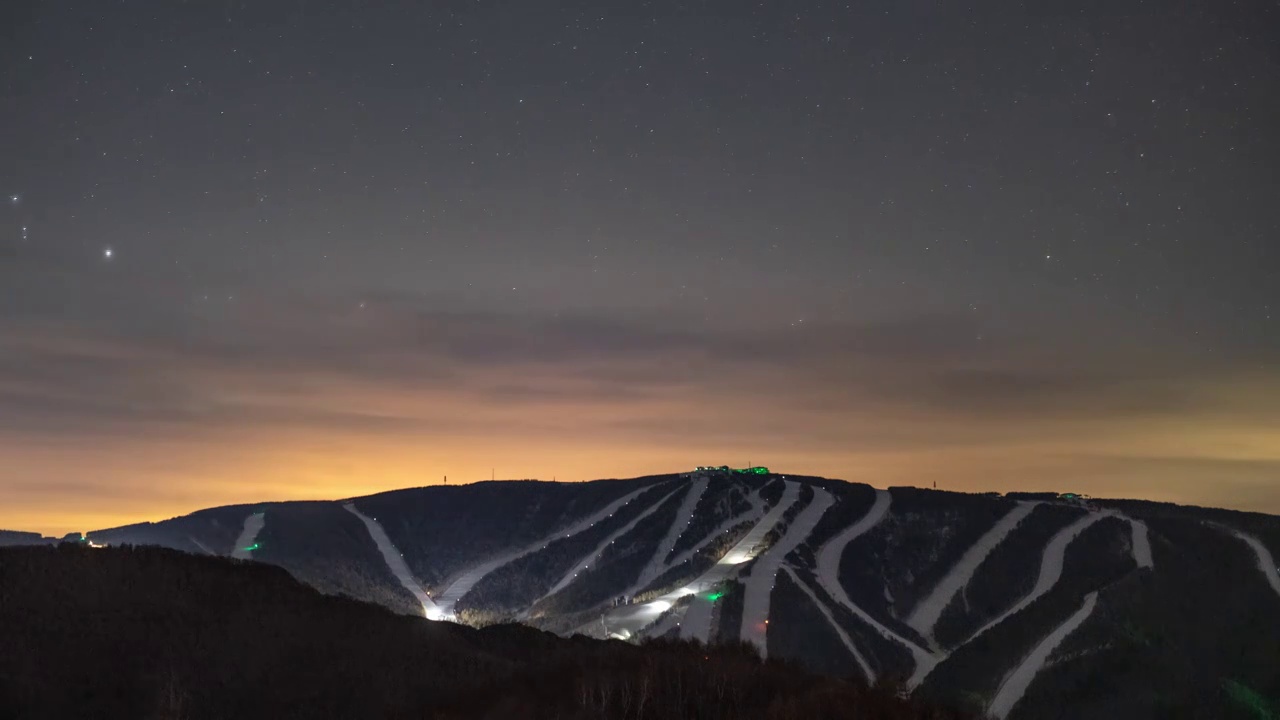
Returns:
(660, 606)
(108, 253)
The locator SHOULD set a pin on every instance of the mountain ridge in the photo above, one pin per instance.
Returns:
(905, 584)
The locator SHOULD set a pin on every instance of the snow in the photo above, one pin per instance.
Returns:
(1266, 563)
(759, 585)
(697, 621)
(589, 560)
(829, 578)
(1141, 544)
(657, 563)
(396, 564)
(248, 535)
(204, 547)
(844, 636)
(1016, 683)
(1051, 561)
(926, 613)
(752, 515)
(462, 584)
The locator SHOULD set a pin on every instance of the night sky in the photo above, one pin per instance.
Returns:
(302, 249)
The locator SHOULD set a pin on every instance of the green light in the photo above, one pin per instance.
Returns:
(715, 596)
(251, 548)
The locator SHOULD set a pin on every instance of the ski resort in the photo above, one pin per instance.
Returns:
(879, 583)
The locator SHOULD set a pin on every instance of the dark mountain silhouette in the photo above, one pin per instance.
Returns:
(1028, 605)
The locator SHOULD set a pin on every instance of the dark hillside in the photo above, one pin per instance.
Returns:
(154, 633)
(442, 529)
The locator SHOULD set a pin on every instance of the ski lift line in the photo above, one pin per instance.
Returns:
(840, 631)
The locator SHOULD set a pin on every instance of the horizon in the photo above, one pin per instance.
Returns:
(61, 531)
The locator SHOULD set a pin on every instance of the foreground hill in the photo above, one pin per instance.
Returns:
(1020, 606)
(154, 633)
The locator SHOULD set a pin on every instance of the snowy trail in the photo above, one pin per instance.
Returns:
(1051, 561)
(697, 621)
(201, 545)
(753, 515)
(248, 535)
(634, 618)
(926, 614)
(829, 578)
(844, 636)
(1141, 544)
(1266, 563)
(395, 563)
(462, 584)
(684, 516)
(1016, 683)
(759, 590)
(590, 559)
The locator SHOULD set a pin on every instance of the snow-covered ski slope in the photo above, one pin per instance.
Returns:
(395, 562)
(759, 584)
(1016, 683)
(684, 515)
(587, 561)
(926, 614)
(697, 621)
(751, 516)
(1051, 561)
(248, 536)
(1266, 563)
(1141, 541)
(844, 636)
(461, 585)
(829, 578)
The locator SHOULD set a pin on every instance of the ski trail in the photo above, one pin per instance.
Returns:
(588, 560)
(664, 626)
(755, 608)
(751, 516)
(697, 622)
(684, 516)
(697, 617)
(927, 611)
(1051, 560)
(829, 578)
(844, 636)
(395, 563)
(462, 584)
(1141, 544)
(1016, 682)
(248, 534)
(1266, 563)
(644, 613)
(201, 545)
